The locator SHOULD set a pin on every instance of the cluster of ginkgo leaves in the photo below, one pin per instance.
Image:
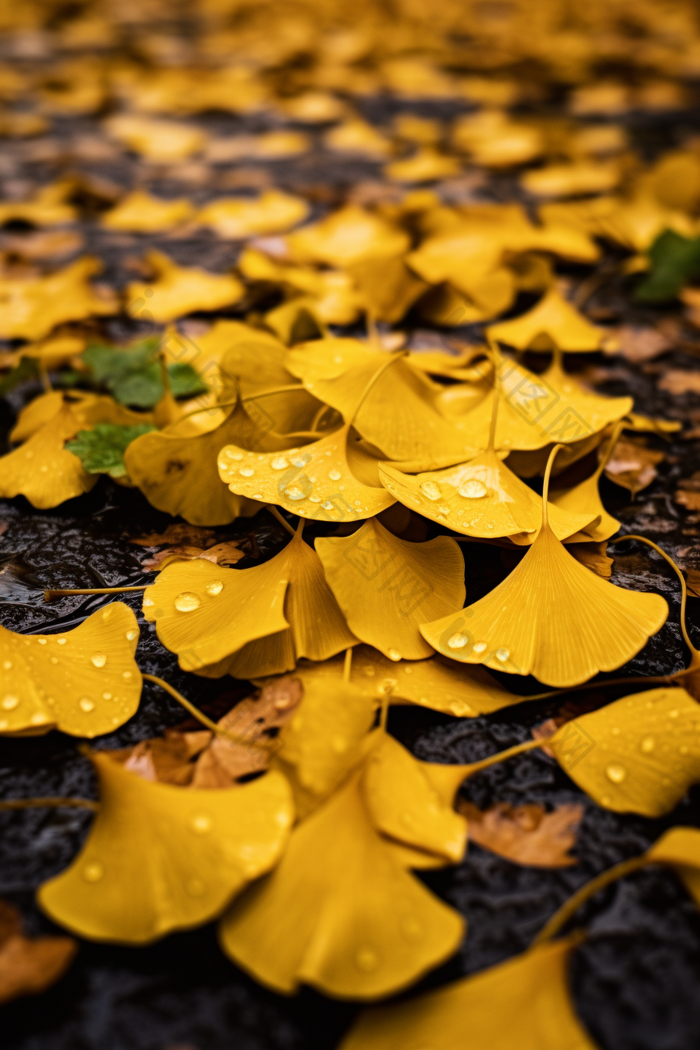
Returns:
(325, 396)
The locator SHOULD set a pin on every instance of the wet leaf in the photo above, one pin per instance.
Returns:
(387, 586)
(644, 754)
(553, 322)
(200, 848)
(632, 466)
(526, 998)
(357, 924)
(133, 374)
(227, 553)
(272, 212)
(84, 682)
(527, 834)
(247, 622)
(140, 212)
(179, 290)
(32, 306)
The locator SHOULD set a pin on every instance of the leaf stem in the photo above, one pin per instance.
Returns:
(62, 592)
(545, 485)
(276, 514)
(347, 664)
(380, 371)
(50, 802)
(584, 893)
(199, 715)
(501, 756)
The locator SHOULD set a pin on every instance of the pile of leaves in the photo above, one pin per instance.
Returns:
(366, 409)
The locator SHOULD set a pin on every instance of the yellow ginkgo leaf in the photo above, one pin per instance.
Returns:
(48, 207)
(435, 683)
(248, 622)
(426, 165)
(481, 498)
(349, 235)
(357, 136)
(645, 755)
(524, 1002)
(32, 306)
(584, 498)
(87, 408)
(179, 474)
(533, 412)
(553, 322)
(42, 470)
(161, 858)
(405, 805)
(386, 586)
(680, 848)
(570, 179)
(391, 403)
(339, 912)
(179, 290)
(333, 479)
(236, 217)
(387, 286)
(325, 739)
(496, 141)
(84, 682)
(576, 623)
(140, 212)
(162, 141)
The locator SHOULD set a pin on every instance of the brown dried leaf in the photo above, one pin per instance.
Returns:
(640, 343)
(43, 244)
(221, 554)
(692, 578)
(166, 759)
(688, 498)
(594, 557)
(251, 721)
(526, 834)
(178, 534)
(632, 466)
(27, 967)
(680, 381)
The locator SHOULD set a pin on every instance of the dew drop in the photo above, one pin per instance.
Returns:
(62, 641)
(334, 475)
(214, 588)
(93, 872)
(187, 601)
(98, 659)
(387, 686)
(246, 472)
(279, 463)
(86, 704)
(394, 654)
(366, 959)
(502, 655)
(257, 495)
(479, 647)
(126, 674)
(300, 461)
(200, 823)
(130, 635)
(457, 641)
(39, 719)
(7, 664)
(230, 454)
(473, 489)
(106, 696)
(42, 641)
(148, 602)
(327, 505)
(294, 493)
(431, 490)
(9, 702)
(616, 773)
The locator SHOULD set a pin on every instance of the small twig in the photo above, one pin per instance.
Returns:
(49, 802)
(62, 592)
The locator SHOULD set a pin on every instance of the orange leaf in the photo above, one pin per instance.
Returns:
(526, 834)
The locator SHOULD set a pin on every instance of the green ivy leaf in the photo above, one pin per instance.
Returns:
(674, 261)
(101, 450)
(133, 376)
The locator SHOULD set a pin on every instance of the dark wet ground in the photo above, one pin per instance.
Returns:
(635, 979)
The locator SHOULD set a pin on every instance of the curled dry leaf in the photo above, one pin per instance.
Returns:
(680, 381)
(632, 465)
(594, 557)
(29, 966)
(227, 553)
(526, 834)
(165, 759)
(255, 722)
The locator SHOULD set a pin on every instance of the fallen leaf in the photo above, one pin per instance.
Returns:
(101, 450)
(178, 533)
(632, 466)
(226, 553)
(594, 557)
(166, 759)
(526, 834)
(680, 381)
(255, 722)
(639, 343)
(29, 966)
(689, 500)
